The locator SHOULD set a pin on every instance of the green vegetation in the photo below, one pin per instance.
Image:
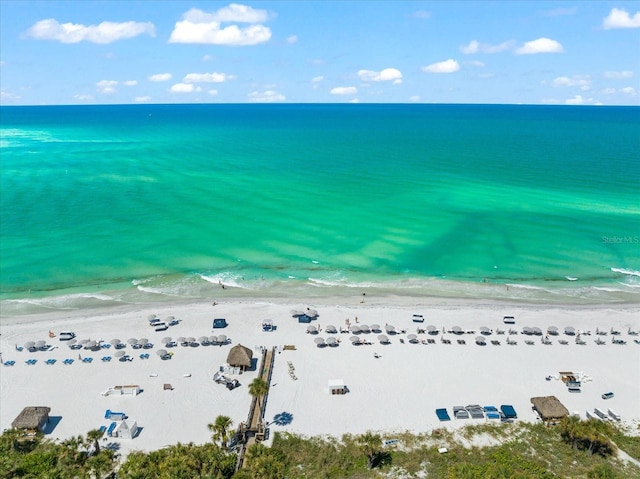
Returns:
(575, 449)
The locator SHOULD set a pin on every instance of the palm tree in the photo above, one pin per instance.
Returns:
(220, 430)
(93, 436)
(258, 388)
(370, 444)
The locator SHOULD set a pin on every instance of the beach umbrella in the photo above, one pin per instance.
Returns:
(484, 330)
(431, 329)
(390, 329)
(29, 344)
(354, 339)
(312, 313)
(454, 330)
(221, 339)
(71, 342)
(166, 340)
(331, 329)
(412, 338)
(181, 339)
(319, 341)
(170, 318)
(354, 328)
(40, 344)
(527, 330)
(113, 341)
(480, 340)
(312, 329)
(537, 331)
(296, 312)
(331, 341)
(552, 330)
(364, 328)
(132, 340)
(152, 317)
(203, 339)
(191, 339)
(83, 341)
(569, 331)
(383, 339)
(143, 341)
(119, 354)
(161, 352)
(375, 327)
(213, 339)
(90, 345)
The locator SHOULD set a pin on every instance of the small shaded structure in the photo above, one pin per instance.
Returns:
(337, 386)
(32, 419)
(549, 408)
(125, 430)
(240, 356)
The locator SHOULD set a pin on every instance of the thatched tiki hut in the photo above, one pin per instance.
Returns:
(240, 356)
(549, 408)
(32, 419)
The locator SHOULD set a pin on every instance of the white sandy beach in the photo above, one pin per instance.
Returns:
(398, 391)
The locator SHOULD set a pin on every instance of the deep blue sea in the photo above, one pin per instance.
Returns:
(105, 205)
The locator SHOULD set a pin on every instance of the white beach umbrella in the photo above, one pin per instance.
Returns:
(484, 330)
(312, 313)
(319, 341)
(29, 344)
(221, 339)
(312, 329)
(412, 338)
(480, 340)
(552, 330)
(570, 331)
(203, 339)
(331, 341)
(166, 340)
(537, 331)
(331, 329)
(161, 352)
(354, 339)
(390, 329)
(213, 339)
(170, 318)
(90, 345)
(132, 340)
(375, 328)
(431, 329)
(151, 317)
(364, 328)
(383, 339)
(191, 339)
(354, 328)
(454, 330)
(296, 312)
(71, 342)
(115, 341)
(119, 354)
(40, 344)
(83, 341)
(527, 330)
(143, 341)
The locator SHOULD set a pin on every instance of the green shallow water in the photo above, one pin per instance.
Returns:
(139, 203)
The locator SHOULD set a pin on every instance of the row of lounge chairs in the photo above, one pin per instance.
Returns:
(474, 411)
(292, 371)
(598, 413)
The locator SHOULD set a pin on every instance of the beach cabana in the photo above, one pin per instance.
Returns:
(240, 356)
(337, 386)
(125, 430)
(549, 408)
(32, 419)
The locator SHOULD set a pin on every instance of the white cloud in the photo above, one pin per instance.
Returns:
(267, 96)
(447, 66)
(130, 83)
(618, 75)
(182, 88)
(292, 39)
(344, 90)
(619, 18)
(213, 77)
(197, 26)
(580, 100)
(142, 99)
(160, 77)
(629, 90)
(388, 74)
(317, 79)
(105, 32)
(582, 81)
(354, 100)
(208, 58)
(421, 14)
(414, 98)
(106, 86)
(82, 97)
(474, 46)
(7, 95)
(475, 63)
(212, 92)
(541, 45)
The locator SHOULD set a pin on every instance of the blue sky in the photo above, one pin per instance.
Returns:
(105, 52)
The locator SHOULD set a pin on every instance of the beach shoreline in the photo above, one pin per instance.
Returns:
(392, 387)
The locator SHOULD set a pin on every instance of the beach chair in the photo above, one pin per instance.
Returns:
(9, 363)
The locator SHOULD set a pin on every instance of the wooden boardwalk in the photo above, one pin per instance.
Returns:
(253, 430)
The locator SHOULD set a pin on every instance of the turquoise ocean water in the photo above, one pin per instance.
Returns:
(105, 205)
